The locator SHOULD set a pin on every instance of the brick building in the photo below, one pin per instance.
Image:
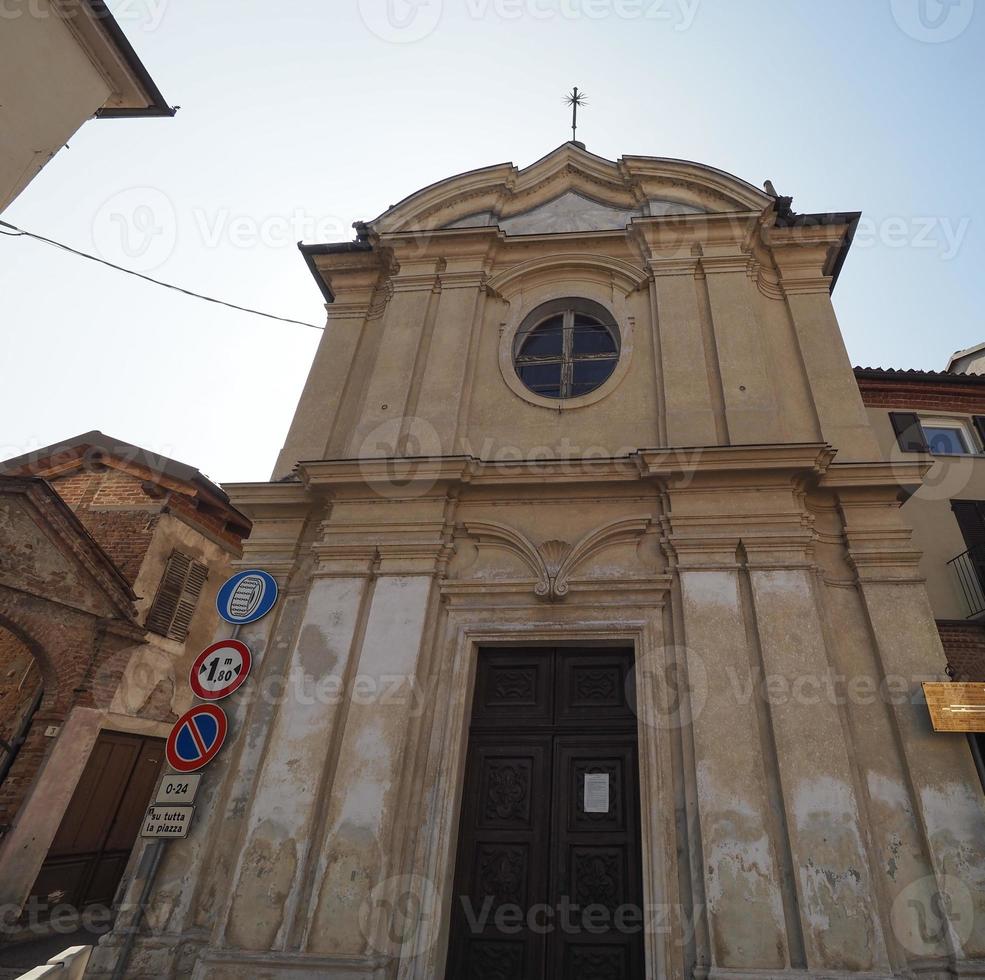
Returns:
(111, 560)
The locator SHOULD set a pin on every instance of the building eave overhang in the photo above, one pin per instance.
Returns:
(833, 231)
(839, 255)
(899, 377)
(60, 456)
(309, 252)
(137, 94)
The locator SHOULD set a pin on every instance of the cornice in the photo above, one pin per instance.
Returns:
(904, 474)
(803, 458)
(288, 496)
(414, 471)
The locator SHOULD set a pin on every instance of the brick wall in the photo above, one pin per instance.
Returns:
(115, 510)
(964, 645)
(20, 680)
(923, 396)
(121, 511)
(81, 666)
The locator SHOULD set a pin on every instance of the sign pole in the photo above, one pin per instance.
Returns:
(150, 859)
(248, 596)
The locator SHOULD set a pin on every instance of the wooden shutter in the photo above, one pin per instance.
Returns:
(909, 432)
(979, 422)
(970, 515)
(174, 605)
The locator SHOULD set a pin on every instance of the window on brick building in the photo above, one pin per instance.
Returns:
(174, 605)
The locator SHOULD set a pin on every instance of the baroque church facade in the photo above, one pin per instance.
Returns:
(601, 633)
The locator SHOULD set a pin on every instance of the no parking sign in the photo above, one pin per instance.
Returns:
(196, 738)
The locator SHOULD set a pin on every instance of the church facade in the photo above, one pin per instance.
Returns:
(601, 634)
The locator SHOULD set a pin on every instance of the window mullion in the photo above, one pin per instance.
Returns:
(567, 352)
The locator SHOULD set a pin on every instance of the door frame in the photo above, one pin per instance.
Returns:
(433, 863)
(23, 851)
(105, 734)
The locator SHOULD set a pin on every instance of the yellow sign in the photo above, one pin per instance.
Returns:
(956, 707)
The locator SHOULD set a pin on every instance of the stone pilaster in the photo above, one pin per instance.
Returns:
(358, 845)
(358, 281)
(692, 404)
(942, 915)
(803, 257)
(836, 900)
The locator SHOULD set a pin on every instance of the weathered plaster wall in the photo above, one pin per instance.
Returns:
(826, 824)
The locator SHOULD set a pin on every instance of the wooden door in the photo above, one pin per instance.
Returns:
(548, 882)
(90, 851)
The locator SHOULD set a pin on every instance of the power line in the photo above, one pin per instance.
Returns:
(18, 232)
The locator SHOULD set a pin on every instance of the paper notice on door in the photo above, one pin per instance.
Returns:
(596, 792)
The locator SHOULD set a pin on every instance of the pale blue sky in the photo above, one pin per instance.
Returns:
(299, 118)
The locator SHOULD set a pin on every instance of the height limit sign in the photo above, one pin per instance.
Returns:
(220, 670)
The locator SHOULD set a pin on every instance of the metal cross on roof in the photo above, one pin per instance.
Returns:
(575, 99)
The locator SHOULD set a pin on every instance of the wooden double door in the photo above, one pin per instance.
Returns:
(548, 881)
(90, 851)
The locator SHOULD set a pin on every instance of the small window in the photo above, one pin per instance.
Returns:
(948, 436)
(945, 440)
(942, 436)
(566, 348)
(174, 605)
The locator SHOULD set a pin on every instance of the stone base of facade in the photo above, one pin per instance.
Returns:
(160, 957)
(176, 958)
(935, 971)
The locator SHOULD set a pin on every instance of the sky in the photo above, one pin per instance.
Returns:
(299, 118)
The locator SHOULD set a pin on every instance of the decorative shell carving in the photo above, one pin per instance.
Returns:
(554, 553)
(554, 560)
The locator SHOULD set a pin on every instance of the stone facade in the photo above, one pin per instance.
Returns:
(721, 504)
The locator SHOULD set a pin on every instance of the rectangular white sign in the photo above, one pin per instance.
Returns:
(596, 792)
(176, 788)
(167, 822)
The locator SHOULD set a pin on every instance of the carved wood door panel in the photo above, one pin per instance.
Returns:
(548, 882)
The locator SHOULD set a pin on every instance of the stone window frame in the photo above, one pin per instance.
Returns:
(568, 308)
(572, 292)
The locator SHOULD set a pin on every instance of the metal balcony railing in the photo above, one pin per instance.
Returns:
(969, 568)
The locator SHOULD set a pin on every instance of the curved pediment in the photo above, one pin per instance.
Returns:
(571, 190)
